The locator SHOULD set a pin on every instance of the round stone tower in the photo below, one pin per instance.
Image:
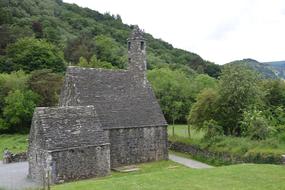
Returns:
(137, 55)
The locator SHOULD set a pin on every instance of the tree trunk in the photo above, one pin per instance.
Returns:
(189, 133)
(173, 121)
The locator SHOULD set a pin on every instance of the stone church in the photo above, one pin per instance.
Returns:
(105, 119)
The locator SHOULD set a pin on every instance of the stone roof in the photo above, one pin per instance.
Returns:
(136, 34)
(67, 127)
(120, 100)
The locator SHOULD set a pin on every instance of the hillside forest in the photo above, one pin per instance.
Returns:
(39, 39)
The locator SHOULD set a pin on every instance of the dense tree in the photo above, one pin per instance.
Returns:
(82, 46)
(38, 29)
(205, 109)
(78, 31)
(274, 92)
(19, 108)
(47, 85)
(212, 69)
(11, 82)
(238, 91)
(201, 82)
(107, 49)
(255, 125)
(94, 63)
(30, 54)
(173, 90)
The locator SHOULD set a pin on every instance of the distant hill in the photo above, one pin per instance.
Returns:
(265, 69)
(278, 67)
(78, 31)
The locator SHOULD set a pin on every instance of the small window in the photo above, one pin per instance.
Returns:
(142, 45)
(130, 60)
(129, 45)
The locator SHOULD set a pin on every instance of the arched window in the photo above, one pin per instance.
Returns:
(129, 45)
(142, 45)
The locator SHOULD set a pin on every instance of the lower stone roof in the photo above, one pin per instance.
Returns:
(67, 127)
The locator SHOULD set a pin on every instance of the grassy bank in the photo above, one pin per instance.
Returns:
(238, 147)
(15, 143)
(166, 175)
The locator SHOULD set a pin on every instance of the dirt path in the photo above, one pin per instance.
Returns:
(188, 162)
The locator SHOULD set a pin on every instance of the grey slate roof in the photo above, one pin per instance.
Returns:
(119, 99)
(68, 127)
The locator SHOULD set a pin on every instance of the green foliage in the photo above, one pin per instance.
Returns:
(108, 50)
(47, 85)
(255, 125)
(204, 109)
(19, 108)
(226, 150)
(173, 90)
(94, 63)
(30, 54)
(274, 92)
(265, 70)
(212, 129)
(11, 82)
(82, 46)
(238, 90)
(82, 32)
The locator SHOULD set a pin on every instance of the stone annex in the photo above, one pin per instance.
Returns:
(105, 119)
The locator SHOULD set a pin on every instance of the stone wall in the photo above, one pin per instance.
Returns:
(80, 163)
(37, 164)
(19, 157)
(138, 145)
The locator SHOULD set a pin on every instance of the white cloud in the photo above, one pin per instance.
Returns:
(219, 31)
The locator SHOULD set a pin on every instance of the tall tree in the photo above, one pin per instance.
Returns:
(238, 90)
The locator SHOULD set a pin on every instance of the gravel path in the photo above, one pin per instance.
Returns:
(188, 162)
(14, 176)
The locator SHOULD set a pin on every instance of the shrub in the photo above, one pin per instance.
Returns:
(212, 129)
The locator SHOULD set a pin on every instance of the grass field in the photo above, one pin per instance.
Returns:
(166, 175)
(15, 143)
(182, 131)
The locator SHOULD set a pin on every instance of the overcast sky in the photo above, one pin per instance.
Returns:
(218, 30)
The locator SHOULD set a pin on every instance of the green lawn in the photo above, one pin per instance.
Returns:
(15, 143)
(166, 175)
(182, 131)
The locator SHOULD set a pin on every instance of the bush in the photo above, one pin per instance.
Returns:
(212, 129)
(258, 129)
(255, 125)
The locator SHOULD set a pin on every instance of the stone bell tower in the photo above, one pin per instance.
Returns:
(137, 55)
